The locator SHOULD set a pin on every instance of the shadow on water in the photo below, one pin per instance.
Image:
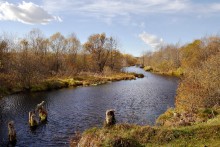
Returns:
(138, 101)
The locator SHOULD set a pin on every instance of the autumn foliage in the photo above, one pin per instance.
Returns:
(199, 61)
(34, 58)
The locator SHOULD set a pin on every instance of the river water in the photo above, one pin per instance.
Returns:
(138, 101)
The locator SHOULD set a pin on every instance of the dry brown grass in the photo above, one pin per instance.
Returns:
(125, 135)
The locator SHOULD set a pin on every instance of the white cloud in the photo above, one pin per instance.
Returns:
(109, 10)
(114, 8)
(105, 10)
(25, 12)
(215, 7)
(151, 40)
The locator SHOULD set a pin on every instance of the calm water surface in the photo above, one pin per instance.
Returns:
(138, 101)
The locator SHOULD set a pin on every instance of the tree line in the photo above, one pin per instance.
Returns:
(33, 58)
(199, 61)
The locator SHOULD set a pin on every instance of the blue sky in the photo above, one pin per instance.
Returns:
(138, 25)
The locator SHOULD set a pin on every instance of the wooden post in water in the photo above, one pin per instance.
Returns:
(110, 118)
(40, 106)
(11, 133)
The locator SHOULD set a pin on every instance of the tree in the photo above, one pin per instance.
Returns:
(3, 54)
(129, 60)
(73, 46)
(27, 68)
(115, 55)
(191, 54)
(99, 48)
(147, 58)
(58, 46)
(35, 39)
(39, 47)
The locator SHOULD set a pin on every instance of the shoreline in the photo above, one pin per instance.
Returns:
(204, 133)
(172, 128)
(179, 72)
(55, 83)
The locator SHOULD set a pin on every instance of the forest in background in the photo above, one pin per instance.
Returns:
(27, 61)
(198, 62)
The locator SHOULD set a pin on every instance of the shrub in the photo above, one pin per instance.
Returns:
(200, 86)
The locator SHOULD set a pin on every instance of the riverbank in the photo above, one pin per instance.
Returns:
(85, 79)
(177, 72)
(199, 134)
(175, 127)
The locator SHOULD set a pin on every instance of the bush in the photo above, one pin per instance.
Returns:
(200, 86)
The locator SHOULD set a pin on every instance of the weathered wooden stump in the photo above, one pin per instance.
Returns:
(40, 106)
(32, 119)
(110, 118)
(11, 133)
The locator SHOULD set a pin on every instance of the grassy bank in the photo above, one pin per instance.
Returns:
(177, 72)
(124, 135)
(88, 79)
(194, 128)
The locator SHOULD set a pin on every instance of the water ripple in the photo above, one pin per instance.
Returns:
(138, 101)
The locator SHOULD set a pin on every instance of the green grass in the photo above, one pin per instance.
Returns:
(148, 68)
(177, 72)
(206, 133)
(138, 75)
(64, 82)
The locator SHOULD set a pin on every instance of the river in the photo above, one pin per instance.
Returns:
(138, 101)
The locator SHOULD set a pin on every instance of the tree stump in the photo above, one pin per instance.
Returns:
(40, 106)
(11, 133)
(110, 118)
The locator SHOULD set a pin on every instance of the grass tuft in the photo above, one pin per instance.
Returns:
(201, 134)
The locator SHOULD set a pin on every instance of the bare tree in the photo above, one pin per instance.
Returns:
(3, 54)
(73, 46)
(98, 46)
(35, 38)
(114, 53)
(58, 46)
